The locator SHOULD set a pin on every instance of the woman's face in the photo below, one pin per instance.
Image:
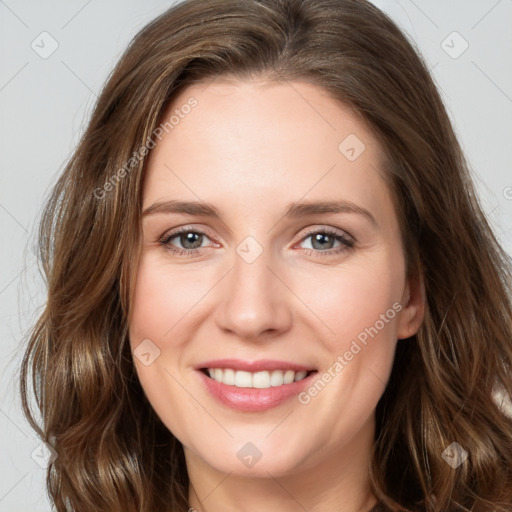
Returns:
(271, 253)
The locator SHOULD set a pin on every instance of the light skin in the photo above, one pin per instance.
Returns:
(251, 148)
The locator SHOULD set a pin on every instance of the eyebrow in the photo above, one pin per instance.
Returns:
(294, 210)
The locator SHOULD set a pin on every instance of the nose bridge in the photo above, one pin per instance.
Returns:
(254, 301)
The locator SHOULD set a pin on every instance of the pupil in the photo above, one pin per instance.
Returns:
(319, 237)
(189, 238)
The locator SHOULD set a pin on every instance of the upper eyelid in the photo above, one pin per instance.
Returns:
(184, 229)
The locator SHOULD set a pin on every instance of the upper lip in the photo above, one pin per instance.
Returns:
(253, 366)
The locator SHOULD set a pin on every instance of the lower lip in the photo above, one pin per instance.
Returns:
(254, 399)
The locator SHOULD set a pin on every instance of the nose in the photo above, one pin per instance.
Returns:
(255, 302)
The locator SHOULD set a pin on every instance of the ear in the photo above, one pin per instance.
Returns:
(413, 302)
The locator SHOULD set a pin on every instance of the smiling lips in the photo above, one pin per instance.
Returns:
(253, 386)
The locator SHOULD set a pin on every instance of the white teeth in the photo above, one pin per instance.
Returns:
(276, 378)
(300, 375)
(261, 380)
(289, 375)
(242, 379)
(228, 377)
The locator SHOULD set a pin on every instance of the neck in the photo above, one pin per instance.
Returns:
(337, 482)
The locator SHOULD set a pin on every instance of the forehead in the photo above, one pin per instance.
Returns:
(258, 141)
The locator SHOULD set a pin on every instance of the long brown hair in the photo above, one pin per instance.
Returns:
(113, 451)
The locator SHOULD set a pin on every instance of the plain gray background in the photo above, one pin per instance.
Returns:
(45, 100)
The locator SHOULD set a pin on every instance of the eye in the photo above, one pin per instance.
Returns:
(190, 240)
(323, 242)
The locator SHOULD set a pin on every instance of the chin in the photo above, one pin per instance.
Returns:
(255, 459)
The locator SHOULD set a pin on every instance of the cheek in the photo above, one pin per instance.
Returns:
(159, 304)
(163, 298)
(352, 299)
(359, 308)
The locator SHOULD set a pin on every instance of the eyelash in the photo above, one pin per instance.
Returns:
(346, 243)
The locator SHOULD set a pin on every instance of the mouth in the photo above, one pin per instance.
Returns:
(258, 380)
(254, 386)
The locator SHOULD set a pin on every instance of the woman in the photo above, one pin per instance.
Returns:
(338, 334)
